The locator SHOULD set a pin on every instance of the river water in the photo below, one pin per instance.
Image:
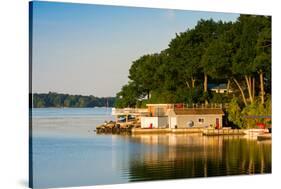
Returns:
(67, 152)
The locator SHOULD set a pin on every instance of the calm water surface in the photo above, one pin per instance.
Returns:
(67, 152)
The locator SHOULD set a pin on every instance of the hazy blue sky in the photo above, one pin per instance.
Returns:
(88, 49)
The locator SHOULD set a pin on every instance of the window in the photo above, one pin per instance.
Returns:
(201, 120)
(159, 111)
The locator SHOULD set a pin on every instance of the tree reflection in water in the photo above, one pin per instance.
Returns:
(173, 156)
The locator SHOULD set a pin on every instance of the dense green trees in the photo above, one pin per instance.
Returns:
(237, 53)
(128, 96)
(65, 100)
(249, 59)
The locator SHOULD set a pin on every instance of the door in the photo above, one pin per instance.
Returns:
(217, 123)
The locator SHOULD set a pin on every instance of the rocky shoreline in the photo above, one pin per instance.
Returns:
(112, 127)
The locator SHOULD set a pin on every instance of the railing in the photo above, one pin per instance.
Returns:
(159, 111)
(211, 106)
(117, 111)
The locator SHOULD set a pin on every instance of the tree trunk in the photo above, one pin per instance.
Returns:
(192, 82)
(241, 90)
(206, 86)
(187, 84)
(253, 93)
(248, 80)
(262, 87)
(228, 86)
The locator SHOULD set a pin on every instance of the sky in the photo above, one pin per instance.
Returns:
(88, 49)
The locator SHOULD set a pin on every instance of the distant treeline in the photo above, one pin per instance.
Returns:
(52, 99)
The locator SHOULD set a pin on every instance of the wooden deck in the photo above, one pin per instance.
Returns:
(207, 132)
(165, 130)
(217, 132)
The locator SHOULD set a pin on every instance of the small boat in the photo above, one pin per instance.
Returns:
(254, 133)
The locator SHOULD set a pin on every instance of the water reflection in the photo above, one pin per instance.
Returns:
(66, 152)
(173, 156)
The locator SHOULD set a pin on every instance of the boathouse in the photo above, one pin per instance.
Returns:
(177, 116)
(157, 116)
(195, 117)
(127, 116)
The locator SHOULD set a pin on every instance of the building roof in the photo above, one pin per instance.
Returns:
(199, 111)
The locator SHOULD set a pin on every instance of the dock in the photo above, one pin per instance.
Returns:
(165, 130)
(131, 129)
(218, 132)
(264, 137)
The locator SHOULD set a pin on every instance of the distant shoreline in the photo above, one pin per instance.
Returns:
(53, 99)
(71, 107)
